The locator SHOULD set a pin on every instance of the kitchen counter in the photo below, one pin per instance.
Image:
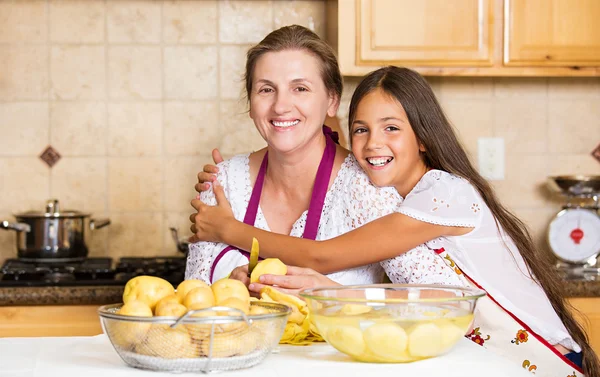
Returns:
(90, 295)
(94, 356)
(101, 295)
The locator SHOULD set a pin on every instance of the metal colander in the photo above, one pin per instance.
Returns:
(213, 339)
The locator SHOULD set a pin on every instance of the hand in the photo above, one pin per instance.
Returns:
(209, 221)
(240, 273)
(209, 173)
(296, 280)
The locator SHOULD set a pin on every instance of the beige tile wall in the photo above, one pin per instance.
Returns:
(135, 94)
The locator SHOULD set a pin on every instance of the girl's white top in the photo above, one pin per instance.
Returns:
(486, 255)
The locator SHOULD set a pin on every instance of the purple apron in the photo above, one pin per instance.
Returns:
(317, 199)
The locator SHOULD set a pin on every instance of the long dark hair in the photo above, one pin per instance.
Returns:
(444, 152)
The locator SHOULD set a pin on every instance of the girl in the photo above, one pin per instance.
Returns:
(401, 138)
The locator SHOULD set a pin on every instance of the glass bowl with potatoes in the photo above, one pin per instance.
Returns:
(392, 323)
(194, 328)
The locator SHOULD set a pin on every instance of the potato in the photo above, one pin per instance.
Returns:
(127, 334)
(186, 286)
(226, 288)
(387, 341)
(346, 339)
(148, 289)
(271, 266)
(424, 340)
(168, 343)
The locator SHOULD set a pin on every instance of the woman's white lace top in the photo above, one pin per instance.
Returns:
(487, 256)
(351, 201)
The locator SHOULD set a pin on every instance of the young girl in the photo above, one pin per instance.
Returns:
(401, 138)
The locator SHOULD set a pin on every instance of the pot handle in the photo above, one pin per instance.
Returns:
(19, 227)
(182, 244)
(99, 223)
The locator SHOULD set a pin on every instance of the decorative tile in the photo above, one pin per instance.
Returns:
(596, 153)
(50, 156)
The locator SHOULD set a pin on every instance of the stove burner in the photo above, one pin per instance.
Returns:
(92, 271)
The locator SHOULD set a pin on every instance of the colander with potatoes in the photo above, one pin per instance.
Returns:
(392, 323)
(196, 328)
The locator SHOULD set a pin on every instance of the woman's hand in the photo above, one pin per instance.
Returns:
(296, 280)
(209, 221)
(209, 172)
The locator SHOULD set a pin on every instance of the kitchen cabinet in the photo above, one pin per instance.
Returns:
(552, 33)
(589, 316)
(467, 37)
(49, 320)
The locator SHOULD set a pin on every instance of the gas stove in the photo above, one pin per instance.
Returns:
(90, 272)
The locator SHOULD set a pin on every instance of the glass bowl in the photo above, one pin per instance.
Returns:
(392, 323)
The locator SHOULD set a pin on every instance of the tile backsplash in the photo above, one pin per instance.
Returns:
(133, 95)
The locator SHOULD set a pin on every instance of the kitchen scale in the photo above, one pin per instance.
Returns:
(574, 233)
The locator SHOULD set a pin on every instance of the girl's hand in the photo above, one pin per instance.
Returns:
(296, 280)
(211, 220)
(209, 172)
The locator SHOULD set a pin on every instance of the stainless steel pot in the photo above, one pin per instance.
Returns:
(53, 236)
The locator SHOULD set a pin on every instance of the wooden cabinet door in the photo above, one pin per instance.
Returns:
(589, 317)
(67, 320)
(552, 32)
(423, 32)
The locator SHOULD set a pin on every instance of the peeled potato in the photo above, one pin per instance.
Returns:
(272, 266)
(424, 340)
(346, 339)
(387, 341)
(450, 335)
(355, 309)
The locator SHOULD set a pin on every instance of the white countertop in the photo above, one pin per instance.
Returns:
(94, 356)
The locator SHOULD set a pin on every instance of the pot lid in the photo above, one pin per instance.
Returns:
(52, 210)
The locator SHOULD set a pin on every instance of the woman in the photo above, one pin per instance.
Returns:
(402, 139)
(306, 185)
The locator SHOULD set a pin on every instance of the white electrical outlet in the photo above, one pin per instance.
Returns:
(490, 151)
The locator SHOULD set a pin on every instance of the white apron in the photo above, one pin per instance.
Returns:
(503, 333)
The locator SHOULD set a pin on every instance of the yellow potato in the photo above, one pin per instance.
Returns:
(387, 341)
(258, 310)
(346, 339)
(168, 343)
(127, 334)
(235, 303)
(424, 340)
(450, 334)
(226, 288)
(227, 344)
(355, 309)
(272, 266)
(170, 309)
(149, 289)
(170, 299)
(186, 286)
(199, 298)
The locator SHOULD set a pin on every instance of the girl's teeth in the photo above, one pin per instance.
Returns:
(379, 161)
(285, 124)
